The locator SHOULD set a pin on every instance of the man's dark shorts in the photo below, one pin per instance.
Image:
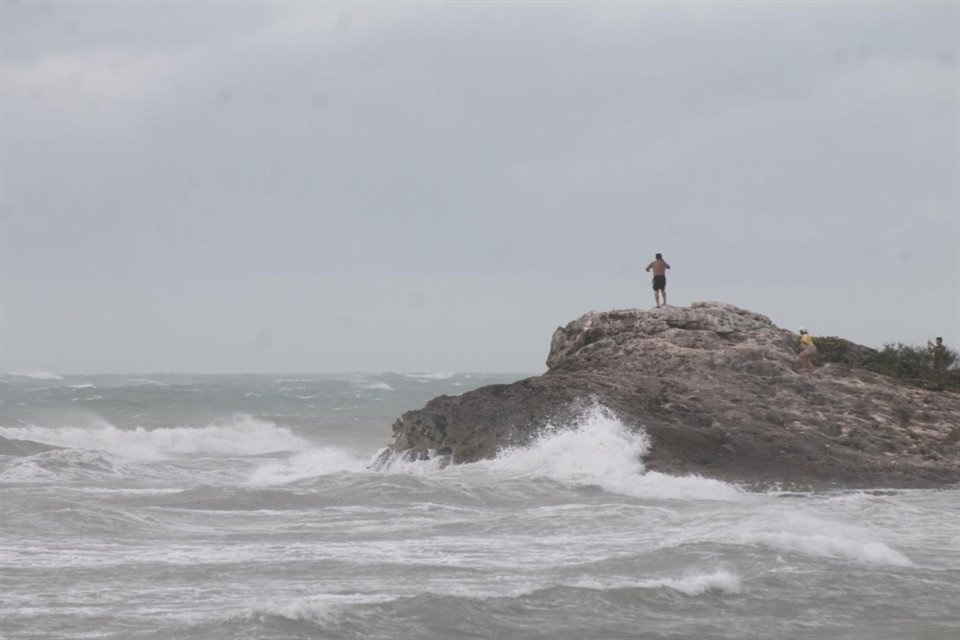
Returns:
(659, 283)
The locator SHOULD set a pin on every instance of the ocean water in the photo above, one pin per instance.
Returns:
(250, 507)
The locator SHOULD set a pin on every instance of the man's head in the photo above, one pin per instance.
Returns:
(659, 256)
(939, 341)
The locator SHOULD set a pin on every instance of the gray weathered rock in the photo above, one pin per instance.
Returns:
(716, 389)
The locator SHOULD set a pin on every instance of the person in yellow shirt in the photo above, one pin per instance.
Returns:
(807, 352)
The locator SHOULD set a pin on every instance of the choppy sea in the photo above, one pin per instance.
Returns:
(242, 507)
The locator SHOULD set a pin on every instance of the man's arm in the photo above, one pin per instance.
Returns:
(665, 264)
(649, 266)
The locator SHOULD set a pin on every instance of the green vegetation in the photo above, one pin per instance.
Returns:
(931, 368)
(922, 366)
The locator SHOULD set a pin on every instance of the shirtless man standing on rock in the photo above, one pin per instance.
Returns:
(659, 267)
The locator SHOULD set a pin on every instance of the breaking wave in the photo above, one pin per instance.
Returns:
(244, 436)
(306, 465)
(377, 386)
(600, 450)
(595, 450)
(64, 465)
(440, 375)
(822, 539)
(692, 584)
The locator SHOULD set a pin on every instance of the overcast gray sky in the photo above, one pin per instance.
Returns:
(307, 187)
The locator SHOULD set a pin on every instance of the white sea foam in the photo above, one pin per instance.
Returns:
(698, 584)
(378, 386)
(387, 461)
(82, 386)
(850, 546)
(309, 464)
(441, 375)
(323, 608)
(242, 436)
(599, 450)
(63, 465)
(36, 375)
(691, 584)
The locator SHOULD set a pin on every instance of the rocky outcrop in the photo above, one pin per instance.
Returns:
(717, 390)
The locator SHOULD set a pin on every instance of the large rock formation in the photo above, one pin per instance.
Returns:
(717, 390)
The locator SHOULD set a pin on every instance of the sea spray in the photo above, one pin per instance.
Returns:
(598, 449)
(307, 465)
(241, 435)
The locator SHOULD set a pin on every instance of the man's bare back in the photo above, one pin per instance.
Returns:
(659, 267)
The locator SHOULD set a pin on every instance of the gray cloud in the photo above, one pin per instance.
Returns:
(230, 187)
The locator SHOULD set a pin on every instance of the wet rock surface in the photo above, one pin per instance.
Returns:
(717, 390)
